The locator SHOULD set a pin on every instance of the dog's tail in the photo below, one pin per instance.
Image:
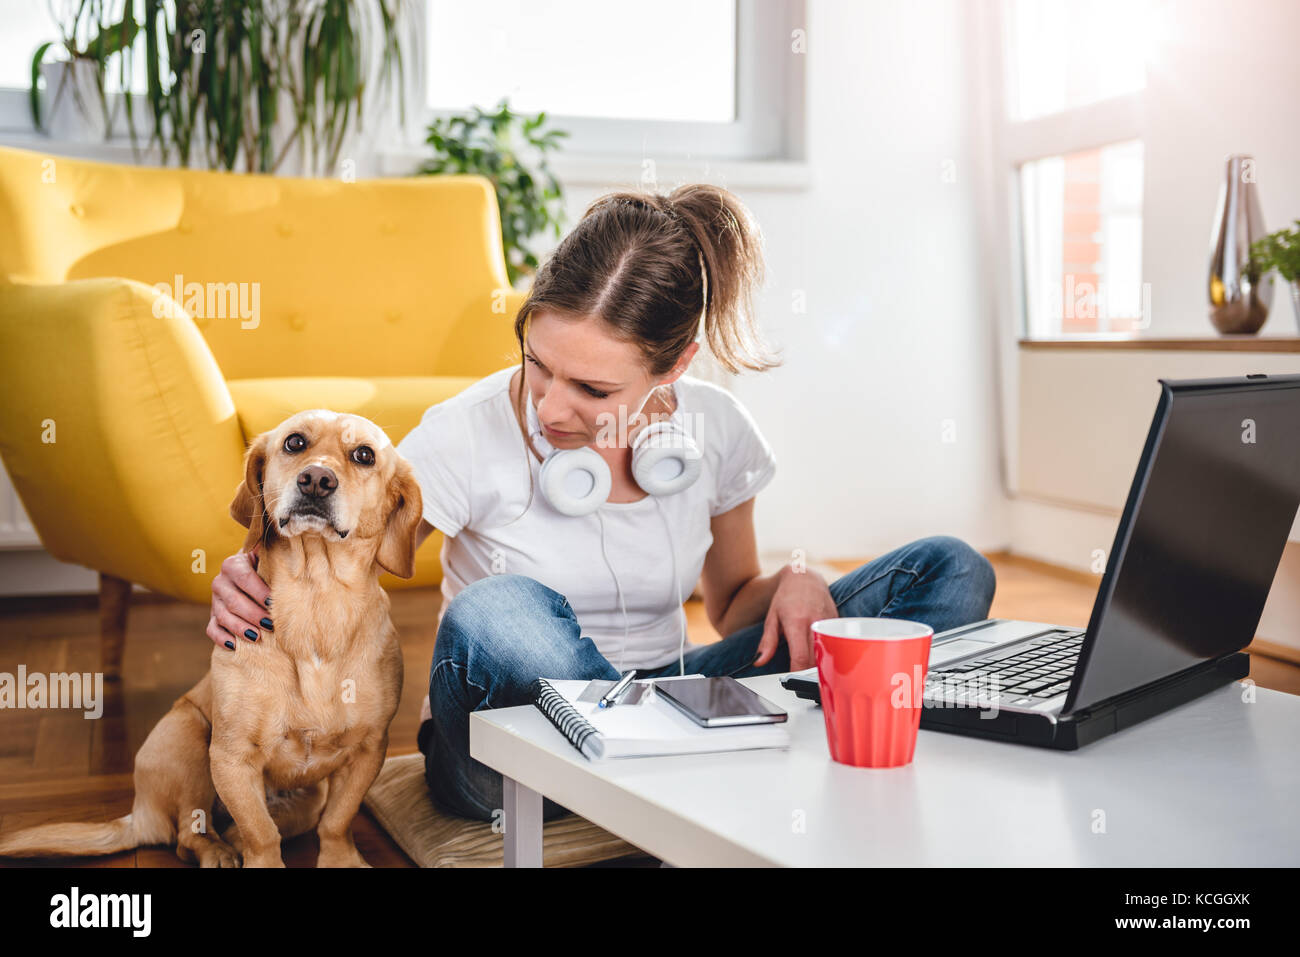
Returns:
(77, 840)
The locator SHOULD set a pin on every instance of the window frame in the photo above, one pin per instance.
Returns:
(769, 118)
(767, 87)
(1091, 125)
(1001, 144)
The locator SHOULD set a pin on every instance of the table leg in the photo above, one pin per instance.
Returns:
(523, 821)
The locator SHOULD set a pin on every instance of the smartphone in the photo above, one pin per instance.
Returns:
(719, 702)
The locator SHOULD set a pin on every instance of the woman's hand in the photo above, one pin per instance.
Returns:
(240, 599)
(801, 598)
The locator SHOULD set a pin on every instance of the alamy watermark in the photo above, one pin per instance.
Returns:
(210, 300)
(73, 690)
(1081, 299)
(127, 911)
(982, 692)
(614, 428)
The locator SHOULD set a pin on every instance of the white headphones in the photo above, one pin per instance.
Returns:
(576, 482)
(665, 461)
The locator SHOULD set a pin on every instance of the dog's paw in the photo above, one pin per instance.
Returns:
(343, 857)
(219, 856)
(265, 860)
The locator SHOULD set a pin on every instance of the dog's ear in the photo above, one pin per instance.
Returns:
(405, 507)
(248, 509)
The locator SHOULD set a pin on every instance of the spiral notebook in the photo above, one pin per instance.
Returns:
(649, 727)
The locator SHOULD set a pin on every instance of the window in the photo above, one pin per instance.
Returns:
(27, 26)
(676, 78)
(675, 60)
(1082, 241)
(1075, 73)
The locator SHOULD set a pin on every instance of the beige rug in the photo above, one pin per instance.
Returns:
(399, 800)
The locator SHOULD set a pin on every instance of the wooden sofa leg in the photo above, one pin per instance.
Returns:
(114, 602)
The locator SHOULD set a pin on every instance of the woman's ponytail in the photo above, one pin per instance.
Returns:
(731, 247)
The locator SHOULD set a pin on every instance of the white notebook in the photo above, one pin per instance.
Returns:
(649, 727)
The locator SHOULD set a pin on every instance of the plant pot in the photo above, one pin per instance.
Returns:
(71, 109)
(1295, 302)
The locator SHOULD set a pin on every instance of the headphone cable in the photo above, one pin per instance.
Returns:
(677, 588)
(600, 519)
(677, 584)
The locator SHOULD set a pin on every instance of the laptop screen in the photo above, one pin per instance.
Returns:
(1207, 517)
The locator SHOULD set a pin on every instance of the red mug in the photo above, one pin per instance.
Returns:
(872, 677)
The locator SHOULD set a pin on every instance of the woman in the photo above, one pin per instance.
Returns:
(607, 333)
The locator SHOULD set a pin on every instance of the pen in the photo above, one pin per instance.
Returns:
(608, 700)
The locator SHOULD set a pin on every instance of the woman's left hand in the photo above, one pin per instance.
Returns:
(801, 598)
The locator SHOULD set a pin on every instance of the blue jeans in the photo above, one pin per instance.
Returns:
(500, 633)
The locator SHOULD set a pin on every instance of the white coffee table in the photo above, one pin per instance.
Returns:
(1211, 783)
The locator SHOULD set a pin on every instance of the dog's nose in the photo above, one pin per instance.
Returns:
(317, 481)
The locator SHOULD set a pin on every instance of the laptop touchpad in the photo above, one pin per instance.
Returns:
(951, 650)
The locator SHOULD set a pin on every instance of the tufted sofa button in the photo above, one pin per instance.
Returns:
(387, 228)
(392, 315)
(296, 321)
(76, 209)
(184, 228)
(284, 229)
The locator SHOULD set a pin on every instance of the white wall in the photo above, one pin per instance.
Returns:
(1224, 79)
(894, 340)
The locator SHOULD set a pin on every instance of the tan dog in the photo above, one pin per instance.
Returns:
(286, 733)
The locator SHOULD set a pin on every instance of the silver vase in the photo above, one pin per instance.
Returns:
(1239, 301)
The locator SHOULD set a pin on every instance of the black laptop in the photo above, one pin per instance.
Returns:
(1208, 515)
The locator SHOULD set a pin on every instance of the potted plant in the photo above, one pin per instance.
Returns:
(91, 34)
(237, 84)
(511, 150)
(1281, 251)
(248, 81)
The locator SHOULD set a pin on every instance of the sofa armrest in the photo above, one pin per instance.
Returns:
(118, 432)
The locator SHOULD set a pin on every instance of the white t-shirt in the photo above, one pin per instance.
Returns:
(474, 471)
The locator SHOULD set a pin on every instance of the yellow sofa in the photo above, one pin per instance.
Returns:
(125, 409)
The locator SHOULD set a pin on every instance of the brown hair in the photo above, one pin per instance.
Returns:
(652, 267)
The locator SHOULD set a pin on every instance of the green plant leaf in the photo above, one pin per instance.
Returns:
(1279, 250)
(529, 197)
(35, 95)
(117, 38)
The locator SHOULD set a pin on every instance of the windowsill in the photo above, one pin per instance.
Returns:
(577, 169)
(1218, 343)
(103, 151)
(572, 169)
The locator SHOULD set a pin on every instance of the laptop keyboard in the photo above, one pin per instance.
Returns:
(1022, 676)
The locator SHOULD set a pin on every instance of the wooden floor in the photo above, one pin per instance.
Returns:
(58, 766)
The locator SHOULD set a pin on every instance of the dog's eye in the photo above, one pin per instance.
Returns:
(363, 455)
(295, 442)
